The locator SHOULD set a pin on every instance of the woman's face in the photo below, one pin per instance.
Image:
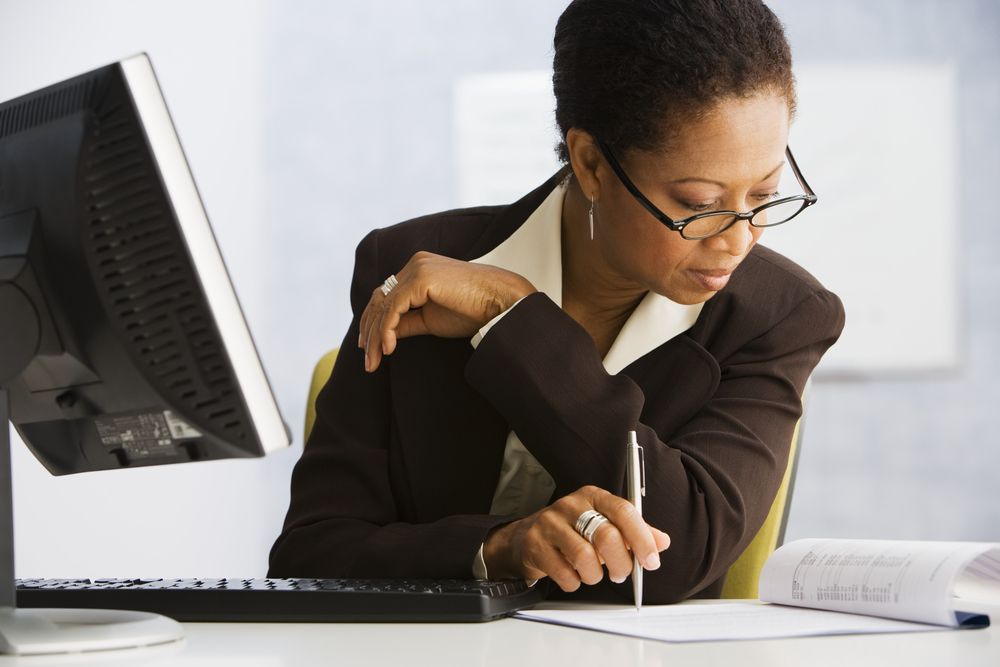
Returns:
(731, 158)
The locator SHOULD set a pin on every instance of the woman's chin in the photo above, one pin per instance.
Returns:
(685, 296)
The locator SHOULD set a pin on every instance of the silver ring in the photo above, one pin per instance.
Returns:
(583, 519)
(388, 285)
(588, 523)
(593, 526)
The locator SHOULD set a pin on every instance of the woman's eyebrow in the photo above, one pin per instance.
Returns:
(696, 179)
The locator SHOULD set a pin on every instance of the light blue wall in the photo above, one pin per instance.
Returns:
(917, 457)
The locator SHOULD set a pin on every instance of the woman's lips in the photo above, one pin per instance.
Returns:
(712, 280)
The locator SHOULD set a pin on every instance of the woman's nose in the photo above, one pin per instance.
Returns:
(736, 240)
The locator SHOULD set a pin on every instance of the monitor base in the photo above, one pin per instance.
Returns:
(38, 631)
(42, 631)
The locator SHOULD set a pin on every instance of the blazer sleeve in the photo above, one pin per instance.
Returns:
(343, 519)
(710, 483)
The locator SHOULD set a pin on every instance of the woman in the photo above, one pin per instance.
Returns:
(617, 296)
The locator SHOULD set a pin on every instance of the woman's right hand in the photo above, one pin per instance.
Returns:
(439, 296)
(546, 543)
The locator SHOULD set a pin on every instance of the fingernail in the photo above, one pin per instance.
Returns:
(368, 363)
(652, 562)
(618, 581)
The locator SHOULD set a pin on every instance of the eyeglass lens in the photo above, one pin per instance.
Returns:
(773, 215)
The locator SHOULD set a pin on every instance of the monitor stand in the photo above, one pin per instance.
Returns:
(35, 631)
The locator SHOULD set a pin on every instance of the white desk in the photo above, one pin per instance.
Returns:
(516, 643)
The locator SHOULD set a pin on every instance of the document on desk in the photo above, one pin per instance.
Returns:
(720, 622)
(826, 587)
(924, 582)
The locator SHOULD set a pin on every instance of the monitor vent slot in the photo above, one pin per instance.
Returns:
(38, 109)
(145, 282)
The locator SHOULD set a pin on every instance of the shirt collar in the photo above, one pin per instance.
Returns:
(534, 251)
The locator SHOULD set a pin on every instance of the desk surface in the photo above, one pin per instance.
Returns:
(517, 643)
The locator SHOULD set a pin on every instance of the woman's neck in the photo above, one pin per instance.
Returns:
(590, 293)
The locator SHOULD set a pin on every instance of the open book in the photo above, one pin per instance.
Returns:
(924, 582)
(849, 587)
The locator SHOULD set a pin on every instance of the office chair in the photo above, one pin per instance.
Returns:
(741, 578)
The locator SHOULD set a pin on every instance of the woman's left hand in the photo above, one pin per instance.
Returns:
(547, 544)
(439, 296)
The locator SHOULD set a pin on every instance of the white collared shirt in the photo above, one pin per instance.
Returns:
(534, 251)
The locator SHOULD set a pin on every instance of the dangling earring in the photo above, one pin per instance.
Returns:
(591, 217)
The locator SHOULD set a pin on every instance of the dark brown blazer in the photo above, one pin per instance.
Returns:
(399, 473)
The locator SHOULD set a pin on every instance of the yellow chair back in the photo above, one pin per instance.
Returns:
(324, 367)
(741, 578)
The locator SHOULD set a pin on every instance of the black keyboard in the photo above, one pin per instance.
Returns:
(288, 600)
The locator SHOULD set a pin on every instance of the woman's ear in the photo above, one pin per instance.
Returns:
(585, 159)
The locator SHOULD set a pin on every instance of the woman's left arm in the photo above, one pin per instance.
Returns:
(710, 483)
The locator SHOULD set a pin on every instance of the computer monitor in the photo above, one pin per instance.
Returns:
(122, 342)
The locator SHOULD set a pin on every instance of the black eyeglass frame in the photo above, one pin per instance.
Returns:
(807, 200)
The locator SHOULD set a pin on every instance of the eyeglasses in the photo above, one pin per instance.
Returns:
(710, 223)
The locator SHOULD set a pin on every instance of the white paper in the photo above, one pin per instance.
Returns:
(909, 580)
(722, 621)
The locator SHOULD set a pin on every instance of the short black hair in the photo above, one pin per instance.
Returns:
(630, 71)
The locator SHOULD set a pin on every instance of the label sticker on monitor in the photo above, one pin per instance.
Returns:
(138, 435)
(145, 434)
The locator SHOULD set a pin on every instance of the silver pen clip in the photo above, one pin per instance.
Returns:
(642, 471)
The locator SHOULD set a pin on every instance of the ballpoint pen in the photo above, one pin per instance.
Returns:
(636, 481)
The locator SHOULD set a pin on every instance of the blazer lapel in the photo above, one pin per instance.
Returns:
(654, 321)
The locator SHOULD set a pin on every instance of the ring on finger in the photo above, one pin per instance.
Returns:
(581, 521)
(593, 526)
(389, 284)
(588, 523)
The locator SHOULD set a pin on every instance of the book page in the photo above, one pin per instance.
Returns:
(895, 579)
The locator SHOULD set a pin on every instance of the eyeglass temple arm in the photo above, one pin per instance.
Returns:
(798, 172)
(631, 187)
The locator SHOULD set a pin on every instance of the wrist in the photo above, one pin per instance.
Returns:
(522, 289)
(496, 550)
(509, 290)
